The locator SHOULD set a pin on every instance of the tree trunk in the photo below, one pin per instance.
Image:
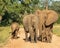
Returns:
(46, 4)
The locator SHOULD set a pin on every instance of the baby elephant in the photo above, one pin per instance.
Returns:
(15, 28)
(30, 23)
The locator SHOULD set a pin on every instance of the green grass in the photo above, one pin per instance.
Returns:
(4, 34)
(56, 29)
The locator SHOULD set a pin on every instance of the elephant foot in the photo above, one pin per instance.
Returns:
(40, 38)
(26, 40)
(16, 37)
(48, 41)
(32, 41)
(13, 37)
(44, 39)
(35, 41)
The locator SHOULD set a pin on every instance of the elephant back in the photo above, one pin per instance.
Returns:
(14, 26)
(25, 22)
(52, 17)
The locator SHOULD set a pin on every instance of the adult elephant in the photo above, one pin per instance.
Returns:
(50, 18)
(30, 24)
(41, 26)
(46, 20)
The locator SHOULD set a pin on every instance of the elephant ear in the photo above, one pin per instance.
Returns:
(51, 18)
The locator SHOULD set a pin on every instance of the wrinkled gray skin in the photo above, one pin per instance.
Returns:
(30, 23)
(15, 28)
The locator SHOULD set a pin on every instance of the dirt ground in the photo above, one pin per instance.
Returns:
(20, 43)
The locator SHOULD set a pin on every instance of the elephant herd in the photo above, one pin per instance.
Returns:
(39, 25)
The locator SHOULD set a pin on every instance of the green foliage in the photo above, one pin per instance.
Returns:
(13, 10)
(58, 21)
(55, 6)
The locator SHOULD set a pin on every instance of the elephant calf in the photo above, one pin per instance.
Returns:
(30, 23)
(15, 28)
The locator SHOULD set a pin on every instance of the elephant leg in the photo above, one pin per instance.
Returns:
(51, 30)
(43, 33)
(35, 36)
(48, 34)
(41, 30)
(47, 30)
(15, 34)
(50, 37)
(36, 31)
(26, 32)
(40, 34)
(43, 36)
(31, 35)
(26, 39)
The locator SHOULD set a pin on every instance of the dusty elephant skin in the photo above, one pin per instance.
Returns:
(15, 28)
(47, 34)
(51, 18)
(41, 26)
(46, 20)
(30, 23)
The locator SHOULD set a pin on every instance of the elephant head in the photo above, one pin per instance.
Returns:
(51, 16)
